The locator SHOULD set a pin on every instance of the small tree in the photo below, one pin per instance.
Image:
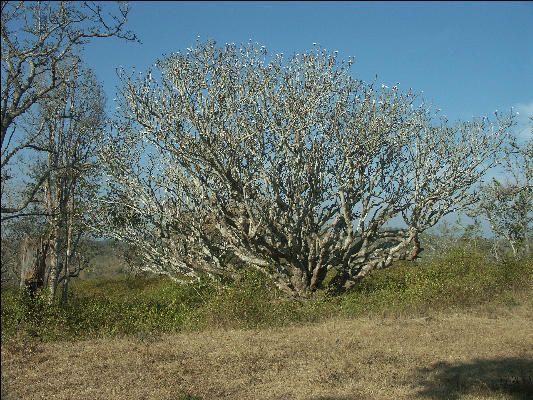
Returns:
(508, 205)
(291, 166)
(72, 122)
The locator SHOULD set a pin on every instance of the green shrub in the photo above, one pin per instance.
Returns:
(248, 302)
(458, 279)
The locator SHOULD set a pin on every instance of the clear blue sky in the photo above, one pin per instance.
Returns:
(469, 58)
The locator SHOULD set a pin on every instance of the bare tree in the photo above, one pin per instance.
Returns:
(37, 39)
(291, 166)
(507, 204)
(72, 122)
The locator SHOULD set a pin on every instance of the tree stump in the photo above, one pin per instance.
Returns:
(33, 253)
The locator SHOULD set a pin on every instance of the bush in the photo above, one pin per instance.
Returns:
(459, 279)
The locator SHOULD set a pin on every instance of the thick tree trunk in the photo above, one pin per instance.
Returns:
(319, 274)
(33, 264)
(300, 283)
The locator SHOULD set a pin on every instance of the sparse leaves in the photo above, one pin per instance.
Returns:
(39, 39)
(289, 165)
(508, 204)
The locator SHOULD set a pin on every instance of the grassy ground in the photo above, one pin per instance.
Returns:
(455, 327)
(482, 354)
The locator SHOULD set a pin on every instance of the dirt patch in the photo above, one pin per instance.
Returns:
(473, 355)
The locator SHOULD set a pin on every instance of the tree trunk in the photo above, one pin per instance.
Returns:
(33, 264)
(526, 236)
(300, 282)
(52, 268)
(70, 212)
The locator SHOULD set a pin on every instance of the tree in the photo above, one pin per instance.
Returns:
(37, 39)
(72, 121)
(14, 233)
(508, 204)
(293, 167)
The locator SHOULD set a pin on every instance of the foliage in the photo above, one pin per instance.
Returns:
(458, 279)
(103, 308)
(38, 39)
(508, 205)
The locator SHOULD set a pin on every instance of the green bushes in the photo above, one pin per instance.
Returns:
(459, 279)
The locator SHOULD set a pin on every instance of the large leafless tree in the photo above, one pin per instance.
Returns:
(38, 38)
(289, 165)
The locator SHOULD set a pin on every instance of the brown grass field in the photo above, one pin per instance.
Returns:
(484, 353)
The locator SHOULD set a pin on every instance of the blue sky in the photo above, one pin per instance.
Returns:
(469, 58)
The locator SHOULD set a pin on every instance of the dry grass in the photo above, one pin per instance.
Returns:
(483, 354)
